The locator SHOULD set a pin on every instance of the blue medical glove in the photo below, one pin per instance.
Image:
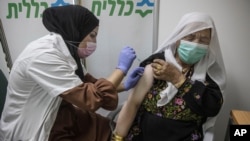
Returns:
(133, 78)
(126, 58)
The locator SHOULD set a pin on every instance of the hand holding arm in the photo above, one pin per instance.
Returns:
(133, 78)
(166, 71)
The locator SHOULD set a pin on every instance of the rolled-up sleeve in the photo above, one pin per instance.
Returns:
(91, 96)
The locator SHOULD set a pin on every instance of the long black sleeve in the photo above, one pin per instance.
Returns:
(203, 99)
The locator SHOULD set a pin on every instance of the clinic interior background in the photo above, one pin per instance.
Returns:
(232, 21)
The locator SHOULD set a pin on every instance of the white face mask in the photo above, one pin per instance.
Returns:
(86, 51)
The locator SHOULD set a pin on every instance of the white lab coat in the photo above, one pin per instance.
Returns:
(42, 71)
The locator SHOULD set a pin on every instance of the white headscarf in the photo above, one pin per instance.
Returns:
(212, 63)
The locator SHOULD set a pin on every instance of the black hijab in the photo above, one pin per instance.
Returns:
(73, 23)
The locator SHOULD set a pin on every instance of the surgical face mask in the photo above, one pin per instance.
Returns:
(190, 52)
(84, 52)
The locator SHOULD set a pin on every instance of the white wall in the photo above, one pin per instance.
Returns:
(233, 26)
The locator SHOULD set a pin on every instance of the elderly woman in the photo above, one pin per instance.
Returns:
(181, 90)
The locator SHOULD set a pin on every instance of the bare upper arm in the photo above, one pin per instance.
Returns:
(139, 91)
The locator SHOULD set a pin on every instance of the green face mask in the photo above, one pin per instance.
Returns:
(190, 52)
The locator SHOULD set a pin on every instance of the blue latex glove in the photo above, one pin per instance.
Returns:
(126, 58)
(133, 78)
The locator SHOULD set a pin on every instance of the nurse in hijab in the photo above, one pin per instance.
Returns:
(50, 95)
(181, 91)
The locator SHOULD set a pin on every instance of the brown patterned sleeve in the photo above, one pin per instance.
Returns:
(91, 96)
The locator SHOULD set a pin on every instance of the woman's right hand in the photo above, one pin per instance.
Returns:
(166, 71)
(126, 58)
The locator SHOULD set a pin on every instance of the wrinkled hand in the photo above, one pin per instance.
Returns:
(126, 58)
(165, 71)
(133, 78)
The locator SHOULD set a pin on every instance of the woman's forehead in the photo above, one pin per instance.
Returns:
(204, 32)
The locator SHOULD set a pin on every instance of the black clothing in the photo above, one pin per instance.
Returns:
(182, 118)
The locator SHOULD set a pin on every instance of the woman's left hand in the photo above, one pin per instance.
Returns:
(133, 78)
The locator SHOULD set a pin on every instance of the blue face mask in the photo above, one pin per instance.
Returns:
(190, 52)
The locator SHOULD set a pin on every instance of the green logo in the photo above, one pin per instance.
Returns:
(25, 6)
(125, 7)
